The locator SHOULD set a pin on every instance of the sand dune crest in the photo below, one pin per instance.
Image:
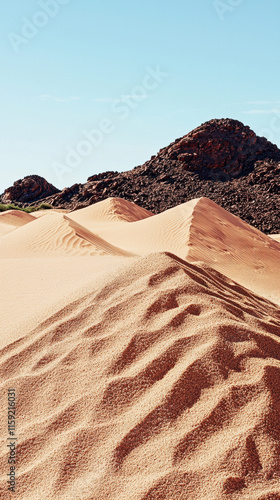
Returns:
(144, 352)
(201, 231)
(55, 235)
(111, 210)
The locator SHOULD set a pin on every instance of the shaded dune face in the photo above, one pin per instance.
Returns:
(199, 231)
(162, 383)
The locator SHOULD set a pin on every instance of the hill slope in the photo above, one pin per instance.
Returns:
(222, 160)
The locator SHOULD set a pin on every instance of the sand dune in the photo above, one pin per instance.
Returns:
(54, 235)
(235, 248)
(32, 289)
(159, 383)
(200, 230)
(12, 219)
(144, 352)
(108, 212)
(49, 235)
(41, 213)
(168, 231)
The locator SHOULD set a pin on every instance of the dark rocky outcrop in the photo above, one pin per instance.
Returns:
(220, 149)
(222, 160)
(31, 188)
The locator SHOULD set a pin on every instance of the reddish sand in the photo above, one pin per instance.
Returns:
(202, 231)
(141, 371)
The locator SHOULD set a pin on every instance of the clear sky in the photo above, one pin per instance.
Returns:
(89, 86)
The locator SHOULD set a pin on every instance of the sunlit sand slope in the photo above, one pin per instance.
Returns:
(54, 235)
(235, 248)
(111, 210)
(12, 219)
(275, 237)
(160, 383)
(200, 230)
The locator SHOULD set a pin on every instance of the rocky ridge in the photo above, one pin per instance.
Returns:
(222, 160)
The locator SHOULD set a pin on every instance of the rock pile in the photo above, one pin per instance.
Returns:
(222, 160)
(31, 188)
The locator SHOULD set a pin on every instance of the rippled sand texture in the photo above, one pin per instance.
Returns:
(158, 377)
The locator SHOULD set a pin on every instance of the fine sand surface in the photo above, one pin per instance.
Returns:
(145, 355)
(275, 237)
(33, 289)
(161, 383)
(108, 211)
(54, 235)
(40, 213)
(200, 230)
(13, 219)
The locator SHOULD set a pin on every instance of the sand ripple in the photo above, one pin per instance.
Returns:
(161, 383)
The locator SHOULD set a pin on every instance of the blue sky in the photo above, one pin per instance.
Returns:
(89, 86)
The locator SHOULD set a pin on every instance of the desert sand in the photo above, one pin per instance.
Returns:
(13, 219)
(42, 212)
(144, 352)
(200, 230)
(275, 237)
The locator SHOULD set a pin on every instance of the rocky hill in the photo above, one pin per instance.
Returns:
(222, 160)
(30, 189)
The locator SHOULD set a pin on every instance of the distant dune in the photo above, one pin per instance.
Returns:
(109, 210)
(54, 235)
(12, 219)
(145, 354)
(200, 230)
